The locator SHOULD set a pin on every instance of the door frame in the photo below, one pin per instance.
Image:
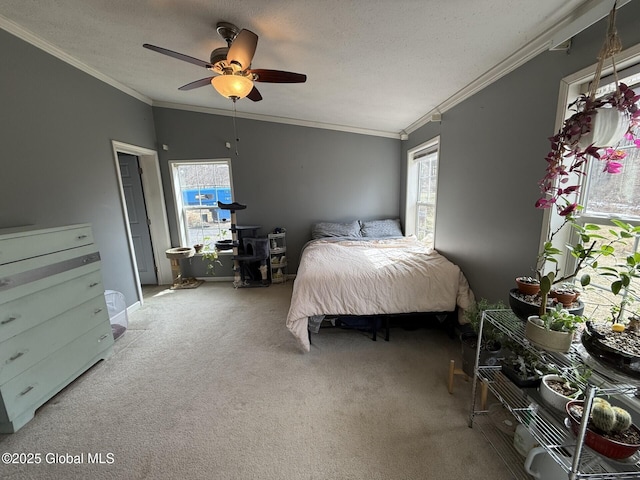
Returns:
(156, 210)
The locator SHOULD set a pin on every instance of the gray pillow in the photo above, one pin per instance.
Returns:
(332, 229)
(381, 228)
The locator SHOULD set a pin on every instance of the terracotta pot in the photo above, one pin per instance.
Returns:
(528, 288)
(549, 340)
(604, 446)
(566, 299)
(524, 310)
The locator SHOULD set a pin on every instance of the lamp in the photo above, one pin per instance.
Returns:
(232, 86)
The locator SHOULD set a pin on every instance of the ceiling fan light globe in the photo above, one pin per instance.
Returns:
(232, 86)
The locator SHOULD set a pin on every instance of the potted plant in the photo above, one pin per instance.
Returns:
(522, 367)
(491, 345)
(553, 331)
(616, 342)
(563, 385)
(528, 285)
(557, 390)
(566, 294)
(610, 429)
(208, 253)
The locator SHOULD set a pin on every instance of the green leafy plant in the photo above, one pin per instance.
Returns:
(620, 275)
(587, 252)
(524, 362)
(210, 255)
(559, 319)
(490, 335)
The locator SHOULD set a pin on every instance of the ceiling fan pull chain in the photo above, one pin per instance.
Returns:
(235, 128)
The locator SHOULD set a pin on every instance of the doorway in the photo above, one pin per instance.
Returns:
(156, 212)
(130, 174)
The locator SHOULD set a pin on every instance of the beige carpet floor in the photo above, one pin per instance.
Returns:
(209, 384)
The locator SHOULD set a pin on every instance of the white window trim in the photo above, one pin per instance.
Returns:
(570, 88)
(175, 187)
(410, 227)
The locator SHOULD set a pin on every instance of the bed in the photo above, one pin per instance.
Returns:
(370, 268)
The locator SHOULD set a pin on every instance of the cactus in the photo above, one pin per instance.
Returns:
(603, 416)
(600, 400)
(623, 419)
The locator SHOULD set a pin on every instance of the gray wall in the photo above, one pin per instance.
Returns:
(57, 124)
(56, 128)
(492, 155)
(288, 176)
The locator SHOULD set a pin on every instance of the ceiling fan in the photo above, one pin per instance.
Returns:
(234, 79)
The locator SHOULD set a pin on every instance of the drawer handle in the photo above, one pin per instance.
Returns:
(9, 320)
(26, 390)
(16, 356)
(80, 237)
(90, 258)
(4, 283)
(103, 337)
(97, 310)
(91, 285)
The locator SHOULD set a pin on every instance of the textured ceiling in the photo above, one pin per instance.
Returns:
(376, 65)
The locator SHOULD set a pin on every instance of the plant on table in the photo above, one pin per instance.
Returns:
(566, 382)
(491, 344)
(491, 337)
(553, 330)
(621, 334)
(611, 431)
(522, 366)
(209, 254)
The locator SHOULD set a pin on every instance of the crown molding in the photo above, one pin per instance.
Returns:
(274, 119)
(38, 42)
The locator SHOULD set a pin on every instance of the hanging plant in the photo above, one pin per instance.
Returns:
(569, 155)
(592, 132)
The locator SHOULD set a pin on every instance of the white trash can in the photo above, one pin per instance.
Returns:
(117, 308)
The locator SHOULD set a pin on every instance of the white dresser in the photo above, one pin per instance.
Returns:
(54, 322)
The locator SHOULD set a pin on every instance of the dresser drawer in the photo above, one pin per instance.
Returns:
(28, 242)
(26, 312)
(22, 351)
(33, 387)
(29, 276)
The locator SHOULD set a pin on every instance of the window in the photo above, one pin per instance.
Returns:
(605, 196)
(422, 186)
(197, 188)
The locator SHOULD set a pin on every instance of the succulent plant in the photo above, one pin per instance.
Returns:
(603, 416)
(600, 400)
(608, 418)
(623, 419)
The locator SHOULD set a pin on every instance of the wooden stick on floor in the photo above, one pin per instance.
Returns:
(453, 371)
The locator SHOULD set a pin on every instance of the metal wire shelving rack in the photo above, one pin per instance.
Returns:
(548, 426)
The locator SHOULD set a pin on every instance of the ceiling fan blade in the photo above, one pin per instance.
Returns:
(277, 76)
(197, 84)
(254, 95)
(179, 56)
(243, 48)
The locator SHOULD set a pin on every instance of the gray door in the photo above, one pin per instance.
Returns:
(138, 222)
